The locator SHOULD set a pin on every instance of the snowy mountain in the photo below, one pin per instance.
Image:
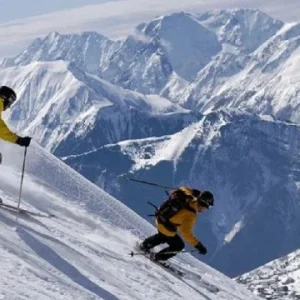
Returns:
(250, 163)
(189, 53)
(264, 82)
(82, 253)
(279, 279)
(88, 50)
(69, 111)
(240, 58)
(243, 29)
(139, 64)
(166, 52)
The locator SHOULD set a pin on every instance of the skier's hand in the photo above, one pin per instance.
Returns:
(23, 141)
(202, 250)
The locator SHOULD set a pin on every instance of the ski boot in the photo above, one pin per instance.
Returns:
(142, 247)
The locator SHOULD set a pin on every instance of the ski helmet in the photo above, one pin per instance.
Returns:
(206, 199)
(196, 193)
(8, 95)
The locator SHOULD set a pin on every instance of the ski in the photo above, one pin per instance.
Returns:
(180, 272)
(25, 211)
(165, 265)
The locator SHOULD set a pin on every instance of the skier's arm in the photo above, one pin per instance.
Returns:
(6, 134)
(186, 229)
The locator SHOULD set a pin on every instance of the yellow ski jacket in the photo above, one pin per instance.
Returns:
(184, 220)
(5, 133)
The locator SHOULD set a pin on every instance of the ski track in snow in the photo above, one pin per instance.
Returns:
(83, 253)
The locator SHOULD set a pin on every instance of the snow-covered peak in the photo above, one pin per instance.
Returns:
(264, 81)
(181, 45)
(176, 46)
(245, 29)
(88, 49)
(277, 280)
(188, 45)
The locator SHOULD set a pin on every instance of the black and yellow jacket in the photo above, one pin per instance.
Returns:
(185, 220)
(5, 133)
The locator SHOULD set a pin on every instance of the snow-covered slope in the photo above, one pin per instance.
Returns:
(279, 279)
(83, 252)
(250, 163)
(69, 111)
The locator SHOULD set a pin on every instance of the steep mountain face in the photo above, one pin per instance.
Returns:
(251, 165)
(139, 64)
(71, 112)
(189, 53)
(264, 82)
(241, 32)
(278, 279)
(243, 29)
(88, 50)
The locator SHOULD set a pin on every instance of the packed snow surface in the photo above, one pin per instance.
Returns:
(82, 253)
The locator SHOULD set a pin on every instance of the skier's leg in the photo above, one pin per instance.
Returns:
(153, 241)
(176, 245)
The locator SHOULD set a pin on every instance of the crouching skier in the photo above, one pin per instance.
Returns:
(178, 213)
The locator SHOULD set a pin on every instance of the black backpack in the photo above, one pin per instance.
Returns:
(177, 201)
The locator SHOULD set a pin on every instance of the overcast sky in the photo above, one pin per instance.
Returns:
(23, 20)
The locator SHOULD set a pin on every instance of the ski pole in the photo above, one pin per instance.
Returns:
(148, 183)
(21, 184)
(170, 252)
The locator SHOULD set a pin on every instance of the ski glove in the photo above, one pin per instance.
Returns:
(202, 250)
(23, 141)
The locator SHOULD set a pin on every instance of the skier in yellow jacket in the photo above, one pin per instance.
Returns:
(178, 213)
(7, 98)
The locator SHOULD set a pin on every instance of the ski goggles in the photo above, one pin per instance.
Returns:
(205, 203)
(9, 100)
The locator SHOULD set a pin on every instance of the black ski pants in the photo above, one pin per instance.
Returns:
(175, 243)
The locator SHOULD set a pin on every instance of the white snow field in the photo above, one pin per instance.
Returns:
(82, 253)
